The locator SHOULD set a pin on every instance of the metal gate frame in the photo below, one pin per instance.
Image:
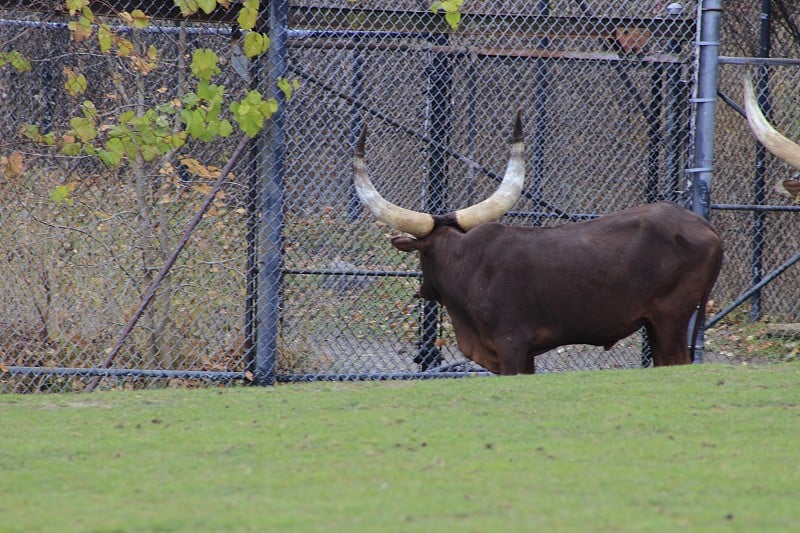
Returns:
(265, 241)
(758, 207)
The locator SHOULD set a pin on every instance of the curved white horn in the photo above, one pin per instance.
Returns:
(507, 192)
(768, 136)
(413, 222)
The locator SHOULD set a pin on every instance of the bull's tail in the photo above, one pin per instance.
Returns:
(699, 316)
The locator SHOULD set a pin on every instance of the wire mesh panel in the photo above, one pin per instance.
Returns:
(603, 91)
(82, 241)
(287, 277)
(756, 214)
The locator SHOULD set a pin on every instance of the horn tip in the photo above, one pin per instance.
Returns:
(362, 140)
(517, 135)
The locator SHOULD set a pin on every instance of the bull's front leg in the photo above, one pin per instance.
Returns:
(513, 356)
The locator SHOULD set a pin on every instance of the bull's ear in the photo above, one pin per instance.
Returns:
(404, 243)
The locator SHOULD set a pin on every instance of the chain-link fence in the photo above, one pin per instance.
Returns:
(756, 216)
(286, 275)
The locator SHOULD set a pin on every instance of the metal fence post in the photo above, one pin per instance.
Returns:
(356, 90)
(759, 180)
(705, 101)
(272, 140)
(541, 88)
(674, 125)
(439, 110)
(653, 117)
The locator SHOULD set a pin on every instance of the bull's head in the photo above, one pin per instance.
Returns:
(773, 140)
(421, 224)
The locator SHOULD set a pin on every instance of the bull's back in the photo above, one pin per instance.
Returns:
(609, 268)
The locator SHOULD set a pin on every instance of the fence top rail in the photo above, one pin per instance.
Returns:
(766, 61)
(403, 21)
(517, 25)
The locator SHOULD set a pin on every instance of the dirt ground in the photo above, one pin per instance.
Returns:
(348, 355)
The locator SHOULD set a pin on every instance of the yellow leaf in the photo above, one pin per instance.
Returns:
(124, 46)
(14, 164)
(81, 29)
(198, 169)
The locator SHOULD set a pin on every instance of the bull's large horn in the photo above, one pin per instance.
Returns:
(768, 136)
(413, 222)
(506, 194)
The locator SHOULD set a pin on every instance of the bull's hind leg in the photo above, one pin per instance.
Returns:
(668, 344)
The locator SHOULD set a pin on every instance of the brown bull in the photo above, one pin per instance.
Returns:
(513, 293)
(780, 146)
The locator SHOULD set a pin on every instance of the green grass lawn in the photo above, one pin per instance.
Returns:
(698, 447)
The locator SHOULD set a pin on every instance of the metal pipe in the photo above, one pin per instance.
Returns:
(256, 73)
(359, 273)
(472, 130)
(540, 116)
(743, 298)
(759, 178)
(674, 125)
(123, 373)
(439, 116)
(705, 101)
(270, 275)
(400, 376)
(751, 207)
(356, 90)
(653, 117)
(769, 61)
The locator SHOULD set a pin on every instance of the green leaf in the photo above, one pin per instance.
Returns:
(255, 44)
(73, 6)
(89, 109)
(177, 140)
(187, 7)
(111, 158)
(70, 149)
(150, 152)
(127, 116)
(204, 64)
(452, 11)
(209, 91)
(287, 87)
(31, 131)
(76, 83)
(452, 6)
(207, 5)
(17, 60)
(87, 13)
(248, 15)
(453, 18)
(60, 195)
(251, 112)
(84, 128)
(81, 29)
(139, 19)
(130, 146)
(190, 100)
(225, 128)
(196, 123)
(104, 38)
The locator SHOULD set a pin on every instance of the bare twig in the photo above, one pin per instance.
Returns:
(151, 291)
